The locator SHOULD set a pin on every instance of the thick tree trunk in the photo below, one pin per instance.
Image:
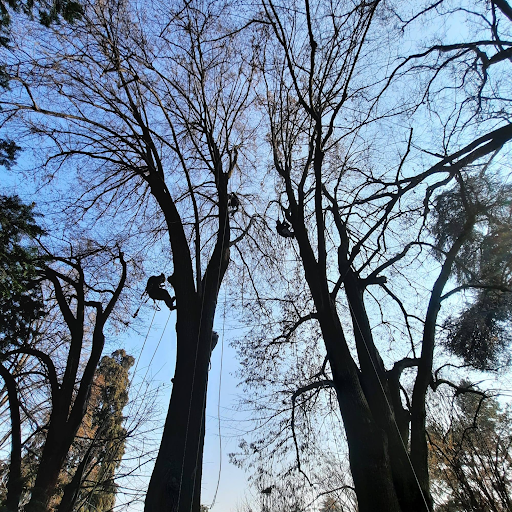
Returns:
(368, 443)
(369, 437)
(387, 410)
(61, 434)
(196, 504)
(175, 484)
(54, 454)
(370, 462)
(382, 472)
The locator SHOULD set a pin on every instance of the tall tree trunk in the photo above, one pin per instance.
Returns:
(367, 441)
(14, 483)
(387, 411)
(175, 482)
(56, 447)
(370, 463)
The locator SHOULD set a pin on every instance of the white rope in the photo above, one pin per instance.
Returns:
(132, 402)
(193, 381)
(157, 345)
(218, 400)
(390, 409)
(143, 345)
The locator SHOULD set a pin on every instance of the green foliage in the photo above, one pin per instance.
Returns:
(484, 197)
(20, 293)
(8, 148)
(113, 371)
(69, 10)
(49, 12)
(449, 218)
(109, 398)
(480, 333)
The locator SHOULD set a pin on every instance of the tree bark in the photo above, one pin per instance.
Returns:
(381, 479)
(176, 478)
(175, 483)
(54, 454)
(15, 483)
(370, 463)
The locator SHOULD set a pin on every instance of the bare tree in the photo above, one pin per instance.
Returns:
(152, 104)
(68, 367)
(365, 221)
(469, 443)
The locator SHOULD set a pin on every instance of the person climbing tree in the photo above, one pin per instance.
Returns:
(156, 291)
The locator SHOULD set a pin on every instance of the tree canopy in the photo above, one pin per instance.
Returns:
(341, 167)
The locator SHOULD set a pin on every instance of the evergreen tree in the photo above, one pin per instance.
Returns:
(100, 443)
(87, 481)
(20, 307)
(20, 293)
(479, 334)
(49, 11)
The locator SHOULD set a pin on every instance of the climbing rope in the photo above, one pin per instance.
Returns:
(143, 345)
(391, 410)
(218, 401)
(154, 353)
(193, 381)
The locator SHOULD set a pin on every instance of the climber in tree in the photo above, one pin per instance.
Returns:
(156, 291)
(284, 229)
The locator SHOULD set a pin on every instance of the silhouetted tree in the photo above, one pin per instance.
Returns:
(368, 221)
(155, 115)
(77, 312)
